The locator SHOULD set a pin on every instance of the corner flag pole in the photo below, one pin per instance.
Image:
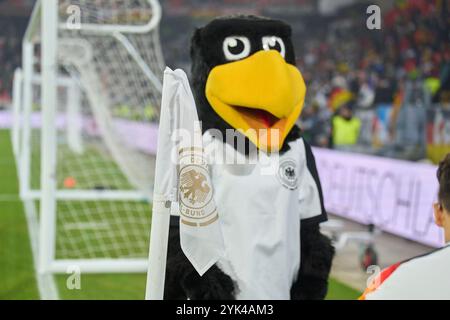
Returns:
(158, 251)
(165, 182)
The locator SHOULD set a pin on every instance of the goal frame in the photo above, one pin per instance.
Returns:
(44, 25)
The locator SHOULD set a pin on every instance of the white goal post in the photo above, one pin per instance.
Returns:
(91, 73)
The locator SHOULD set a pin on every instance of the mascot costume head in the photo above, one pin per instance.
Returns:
(244, 78)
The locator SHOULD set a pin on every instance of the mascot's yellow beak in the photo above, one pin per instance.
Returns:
(261, 96)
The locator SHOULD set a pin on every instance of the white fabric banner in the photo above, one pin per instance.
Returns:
(395, 195)
(190, 189)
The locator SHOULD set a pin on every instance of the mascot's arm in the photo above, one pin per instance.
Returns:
(316, 256)
(182, 281)
(316, 249)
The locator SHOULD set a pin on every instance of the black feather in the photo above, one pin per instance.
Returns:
(316, 258)
(182, 281)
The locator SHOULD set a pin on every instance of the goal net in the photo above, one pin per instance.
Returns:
(108, 84)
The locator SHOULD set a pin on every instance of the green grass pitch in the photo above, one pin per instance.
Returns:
(16, 262)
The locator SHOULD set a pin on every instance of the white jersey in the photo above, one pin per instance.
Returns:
(260, 215)
(422, 278)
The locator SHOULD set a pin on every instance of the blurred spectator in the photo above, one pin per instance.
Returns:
(11, 33)
(409, 123)
(345, 128)
(316, 125)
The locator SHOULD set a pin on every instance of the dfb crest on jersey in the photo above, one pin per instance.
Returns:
(288, 174)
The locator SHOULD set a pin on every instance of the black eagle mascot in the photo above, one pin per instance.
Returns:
(244, 78)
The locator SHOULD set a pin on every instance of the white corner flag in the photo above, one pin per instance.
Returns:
(182, 178)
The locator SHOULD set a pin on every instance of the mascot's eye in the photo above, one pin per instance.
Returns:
(274, 43)
(236, 48)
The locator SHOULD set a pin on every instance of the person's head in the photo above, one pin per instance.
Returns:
(346, 112)
(442, 207)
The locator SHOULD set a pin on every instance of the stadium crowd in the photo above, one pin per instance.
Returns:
(369, 90)
(11, 32)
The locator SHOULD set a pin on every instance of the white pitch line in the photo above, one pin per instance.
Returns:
(46, 282)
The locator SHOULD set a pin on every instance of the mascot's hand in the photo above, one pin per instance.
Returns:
(213, 285)
(182, 281)
(316, 256)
